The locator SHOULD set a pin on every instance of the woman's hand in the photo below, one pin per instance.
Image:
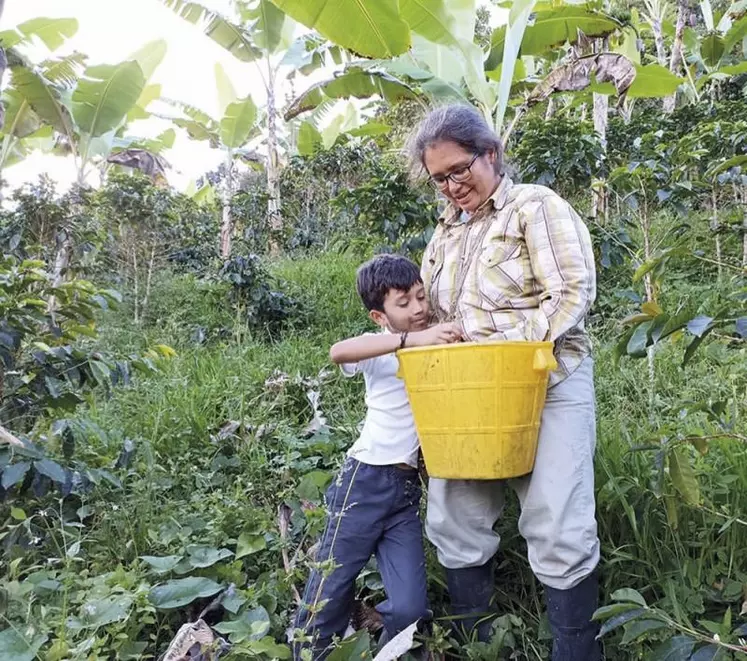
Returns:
(439, 334)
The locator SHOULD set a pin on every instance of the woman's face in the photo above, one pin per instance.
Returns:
(475, 186)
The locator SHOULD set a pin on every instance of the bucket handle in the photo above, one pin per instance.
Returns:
(544, 360)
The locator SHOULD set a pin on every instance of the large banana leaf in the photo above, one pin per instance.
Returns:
(267, 23)
(430, 19)
(43, 98)
(51, 31)
(736, 33)
(226, 92)
(311, 52)
(345, 121)
(238, 122)
(707, 11)
(198, 124)
(456, 58)
(234, 38)
(733, 69)
(195, 114)
(515, 30)
(712, 49)
(553, 27)
(20, 119)
(149, 94)
(654, 81)
(198, 131)
(161, 143)
(105, 95)
(371, 29)
(353, 82)
(449, 61)
(155, 145)
(404, 69)
(309, 139)
(625, 42)
(149, 57)
(100, 146)
(64, 71)
(42, 140)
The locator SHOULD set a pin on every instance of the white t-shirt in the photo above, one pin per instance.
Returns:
(389, 435)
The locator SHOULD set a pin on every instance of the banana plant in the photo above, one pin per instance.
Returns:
(52, 32)
(441, 59)
(87, 112)
(722, 51)
(261, 35)
(231, 133)
(23, 130)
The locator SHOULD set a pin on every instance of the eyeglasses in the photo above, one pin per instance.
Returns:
(458, 176)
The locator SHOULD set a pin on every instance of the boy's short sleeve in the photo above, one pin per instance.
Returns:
(361, 367)
(351, 369)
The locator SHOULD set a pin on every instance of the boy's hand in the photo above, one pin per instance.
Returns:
(439, 334)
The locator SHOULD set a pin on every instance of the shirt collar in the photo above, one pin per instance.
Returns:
(452, 213)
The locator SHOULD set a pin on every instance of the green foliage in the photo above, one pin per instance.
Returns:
(390, 210)
(563, 154)
(44, 366)
(253, 296)
(198, 487)
(41, 220)
(198, 505)
(150, 225)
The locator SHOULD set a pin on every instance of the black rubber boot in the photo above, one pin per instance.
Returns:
(471, 591)
(569, 613)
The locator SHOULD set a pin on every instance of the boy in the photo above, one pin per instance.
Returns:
(373, 503)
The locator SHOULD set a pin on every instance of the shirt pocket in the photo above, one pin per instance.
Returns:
(500, 272)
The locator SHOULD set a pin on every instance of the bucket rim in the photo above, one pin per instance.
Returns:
(472, 345)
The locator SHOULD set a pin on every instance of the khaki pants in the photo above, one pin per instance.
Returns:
(557, 498)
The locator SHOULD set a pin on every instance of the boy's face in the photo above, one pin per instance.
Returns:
(403, 310)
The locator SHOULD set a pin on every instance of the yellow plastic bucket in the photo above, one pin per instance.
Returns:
(477, 405)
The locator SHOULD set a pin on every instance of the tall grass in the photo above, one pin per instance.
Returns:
(195, 482)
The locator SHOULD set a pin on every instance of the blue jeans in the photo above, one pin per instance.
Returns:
(371, 510)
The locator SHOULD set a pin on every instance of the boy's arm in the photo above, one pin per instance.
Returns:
(356, 349)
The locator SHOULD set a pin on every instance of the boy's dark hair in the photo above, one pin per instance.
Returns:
(382, 273)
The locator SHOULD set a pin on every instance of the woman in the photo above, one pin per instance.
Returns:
(515, 262)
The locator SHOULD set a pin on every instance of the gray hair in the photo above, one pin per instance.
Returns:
(458, 123)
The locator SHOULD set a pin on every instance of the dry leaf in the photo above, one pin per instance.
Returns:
(577, 76)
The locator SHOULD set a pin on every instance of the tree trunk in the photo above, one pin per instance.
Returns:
(661, 54)
(136, 281)
(600, 113)
(648, 283)
(600, 116)
(683, 11)
(62, 258)
(148, 280)
(273, 176)
(715, 227)
(226, 228)
(601, 107)
(65, 243)
(550, 108)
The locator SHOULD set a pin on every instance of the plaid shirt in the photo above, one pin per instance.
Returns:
(528, 272)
